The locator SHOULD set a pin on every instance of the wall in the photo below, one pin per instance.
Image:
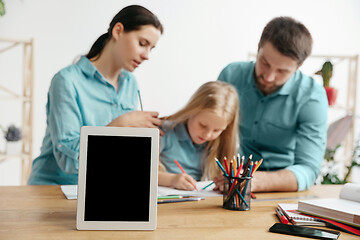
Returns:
(201, 37)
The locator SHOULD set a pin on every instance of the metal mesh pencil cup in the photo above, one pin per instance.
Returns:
(237, 193)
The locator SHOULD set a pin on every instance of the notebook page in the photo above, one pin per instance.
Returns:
(208, 192)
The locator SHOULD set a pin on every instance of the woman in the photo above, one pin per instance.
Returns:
(99, 90)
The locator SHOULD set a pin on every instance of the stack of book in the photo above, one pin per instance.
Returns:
(345, 209)
(341, 213)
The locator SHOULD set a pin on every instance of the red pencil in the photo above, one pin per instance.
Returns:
(178, 164)
(226, 166)
(182, 170)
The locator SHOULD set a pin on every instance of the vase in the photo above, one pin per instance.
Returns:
(13, 147)
(331, 94)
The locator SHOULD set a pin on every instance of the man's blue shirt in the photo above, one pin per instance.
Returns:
(286, 128)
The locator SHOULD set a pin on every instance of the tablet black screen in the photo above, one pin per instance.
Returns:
(118, 178)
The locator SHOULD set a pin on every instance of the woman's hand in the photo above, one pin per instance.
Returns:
(137, 119)
(183, 181)
(219, 183)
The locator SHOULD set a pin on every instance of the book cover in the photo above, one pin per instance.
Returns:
(345, 209)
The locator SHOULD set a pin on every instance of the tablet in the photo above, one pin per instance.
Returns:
(117, 187)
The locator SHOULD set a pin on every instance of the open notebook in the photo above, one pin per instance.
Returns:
(208, 192)
(70, 191)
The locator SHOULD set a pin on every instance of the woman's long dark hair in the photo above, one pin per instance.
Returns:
(133, 18)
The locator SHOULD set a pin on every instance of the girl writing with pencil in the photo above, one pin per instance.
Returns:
(204, 129)
(98, 90)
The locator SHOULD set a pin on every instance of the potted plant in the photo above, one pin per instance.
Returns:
(330, 169)
(2, 8)
(326, 73)
(13, 136)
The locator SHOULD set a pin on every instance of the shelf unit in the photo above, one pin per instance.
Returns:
(350, 106)
(27, 101)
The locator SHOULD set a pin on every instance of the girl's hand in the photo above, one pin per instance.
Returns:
(183, 181)
(137, 119)
(219, 183)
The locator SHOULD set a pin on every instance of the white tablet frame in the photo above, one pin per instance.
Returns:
(81, 224)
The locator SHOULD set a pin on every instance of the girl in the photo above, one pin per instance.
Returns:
(98, 90)
(205, 128)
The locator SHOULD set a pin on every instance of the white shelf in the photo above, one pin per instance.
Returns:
(26, 100)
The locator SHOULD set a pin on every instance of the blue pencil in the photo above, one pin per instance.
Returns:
(247, 181)
(221, 167)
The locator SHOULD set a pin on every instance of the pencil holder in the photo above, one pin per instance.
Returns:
(237, 193)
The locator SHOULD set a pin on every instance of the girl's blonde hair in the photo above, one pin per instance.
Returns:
(222, 99)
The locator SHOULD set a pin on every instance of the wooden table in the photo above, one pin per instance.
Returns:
(42, 212)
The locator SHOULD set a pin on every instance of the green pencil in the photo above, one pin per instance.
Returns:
(170, 197)
(208, 185)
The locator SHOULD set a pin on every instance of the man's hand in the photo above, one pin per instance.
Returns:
(282, 180)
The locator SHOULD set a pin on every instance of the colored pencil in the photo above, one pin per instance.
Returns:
(226, 165)
(247, 166)
(179, 166)
(221, 167)
(235, 165)
(253, 169)
(170, 197)
(247, 181)
(207, 185)
(237, 175)
(180, 200)
(182, 170)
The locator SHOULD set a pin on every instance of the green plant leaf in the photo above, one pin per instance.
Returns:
(2, 8)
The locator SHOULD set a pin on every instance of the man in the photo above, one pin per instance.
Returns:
(283, 113)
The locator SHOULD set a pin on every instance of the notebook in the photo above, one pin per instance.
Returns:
(345, 209)
(297, 218)
(208, 192)
(70, 191)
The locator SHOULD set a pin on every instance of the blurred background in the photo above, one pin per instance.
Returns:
(200, 38)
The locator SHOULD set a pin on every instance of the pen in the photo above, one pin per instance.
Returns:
(182, 170)
(180, 200)
(281, 216)
(141, 106)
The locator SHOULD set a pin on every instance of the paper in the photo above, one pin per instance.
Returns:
(70, 191)
(208, 192)
(351, 192)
